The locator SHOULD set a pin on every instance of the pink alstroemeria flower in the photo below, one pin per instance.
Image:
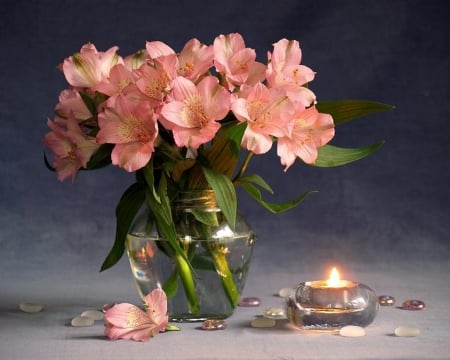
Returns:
(89, 67)
(194, 60)
(267, 113)
(284, 70)
(72, 149)
(71, 101)
(192, 111)
(310, 131)
(236, 62)
(120, 82)
(127, 321)
(133, 128)
(154, 80)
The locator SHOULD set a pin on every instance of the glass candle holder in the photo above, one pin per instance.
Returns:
(315, 305)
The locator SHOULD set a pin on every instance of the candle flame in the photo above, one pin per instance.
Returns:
(334, 278)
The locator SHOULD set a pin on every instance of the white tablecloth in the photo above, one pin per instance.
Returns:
(73, 289)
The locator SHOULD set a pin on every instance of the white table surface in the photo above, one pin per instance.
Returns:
(68, 290)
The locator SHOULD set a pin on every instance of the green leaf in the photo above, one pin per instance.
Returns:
(343, 111)
(47, 163)
(160, 205)
(206, 217)
(330, 155)
(224, 192)
(275, 208)
(89, 102)
(170, 327)
(235, 133)
(101, 158)
(150, 180)
(126, 210)
(256, 180)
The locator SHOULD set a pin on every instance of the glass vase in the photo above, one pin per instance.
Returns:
(207, 281)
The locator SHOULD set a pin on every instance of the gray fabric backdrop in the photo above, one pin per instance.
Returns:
(391, 207)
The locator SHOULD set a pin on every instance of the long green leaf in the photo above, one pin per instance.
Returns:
(256, 180)
(126, 210)
(89, 102)
(343, 111)
(330, 155)
(275, 208)
(225, 194)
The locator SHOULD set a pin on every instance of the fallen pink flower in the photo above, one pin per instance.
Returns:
(127, 321)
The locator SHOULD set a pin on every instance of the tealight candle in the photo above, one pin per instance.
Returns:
(328, 305)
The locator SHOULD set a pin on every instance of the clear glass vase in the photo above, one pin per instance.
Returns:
(206, 286)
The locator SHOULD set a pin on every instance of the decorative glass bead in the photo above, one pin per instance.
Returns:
(413, 305)
(386, 300)
(249, 301)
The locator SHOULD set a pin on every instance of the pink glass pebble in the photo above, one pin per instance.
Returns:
(413, 305)
(249, 302)
(214, 324)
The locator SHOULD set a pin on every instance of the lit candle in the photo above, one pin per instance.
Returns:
(328, 305)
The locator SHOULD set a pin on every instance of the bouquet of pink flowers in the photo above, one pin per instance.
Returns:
(182, 120)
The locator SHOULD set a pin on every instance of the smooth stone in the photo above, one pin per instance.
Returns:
(352, 331)
(407, 331)
(94, 314)
(413, 305)
(263, 322)
(386, 300)
(249, 301)
(31, 307)
(79, 321)
(284, 292)
(274, 313)
(213, 324)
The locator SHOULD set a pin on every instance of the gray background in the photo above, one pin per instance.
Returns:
(388, 211)
(392, 204)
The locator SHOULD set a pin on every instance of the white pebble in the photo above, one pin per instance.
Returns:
(274, 313)
(407, 331)
(94, 314)
(31, 307)
(263, 322)
(79, 321)
(352, 331)
(284, 292)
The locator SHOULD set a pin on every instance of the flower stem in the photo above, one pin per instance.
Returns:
(244, 164)
(187, 279)
(225, 274)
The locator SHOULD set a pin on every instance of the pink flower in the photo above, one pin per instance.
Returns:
(267, 113)
(133, 128)
(119, 81)
(157, 49)
(89, 67)
(310, 131)
(72, 149)
(127, 321)
(194, 60)
(71, 101)
(284, 70)
(154, 80)
(236, 62)
(192, 111)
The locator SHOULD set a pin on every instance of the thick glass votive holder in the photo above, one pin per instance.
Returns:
(316, 306)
